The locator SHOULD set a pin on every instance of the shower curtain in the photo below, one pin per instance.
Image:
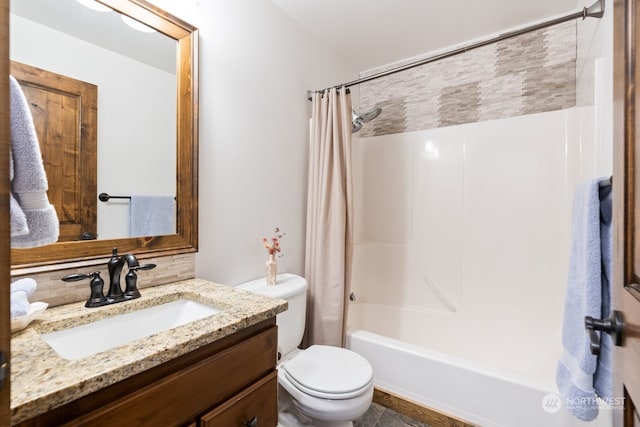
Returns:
(329, 243)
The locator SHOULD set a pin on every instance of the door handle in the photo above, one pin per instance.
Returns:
(613, 325)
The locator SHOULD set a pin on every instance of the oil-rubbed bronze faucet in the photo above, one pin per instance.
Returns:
(115, 293)
(114, 266)
(131, 278)
(96, 299)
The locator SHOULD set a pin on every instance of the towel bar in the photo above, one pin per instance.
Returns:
(104, 197)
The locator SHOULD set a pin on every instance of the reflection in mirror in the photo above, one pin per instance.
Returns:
(57, 105)
(135, 76)
(146, 131)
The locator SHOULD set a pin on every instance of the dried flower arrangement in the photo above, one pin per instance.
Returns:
(273, 245)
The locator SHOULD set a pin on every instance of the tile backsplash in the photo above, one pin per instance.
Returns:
(56, 292)
(530, 73)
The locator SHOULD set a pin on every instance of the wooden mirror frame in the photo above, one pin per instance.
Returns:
(186, 238)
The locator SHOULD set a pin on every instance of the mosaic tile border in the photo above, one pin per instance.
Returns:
(530, 73)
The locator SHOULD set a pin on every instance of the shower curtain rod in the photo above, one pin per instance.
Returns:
(596, 10)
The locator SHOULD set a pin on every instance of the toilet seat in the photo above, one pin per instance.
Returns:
(329, 372)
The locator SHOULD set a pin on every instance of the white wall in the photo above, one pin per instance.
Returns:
(256, 65)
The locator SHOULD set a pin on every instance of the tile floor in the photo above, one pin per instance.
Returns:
(379, 416)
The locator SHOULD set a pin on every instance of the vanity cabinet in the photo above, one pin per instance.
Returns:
(256, 406)
(230, 382)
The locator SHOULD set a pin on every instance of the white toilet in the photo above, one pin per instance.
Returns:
(321, 386)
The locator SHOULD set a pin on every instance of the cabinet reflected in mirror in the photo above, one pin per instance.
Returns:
(146, 128)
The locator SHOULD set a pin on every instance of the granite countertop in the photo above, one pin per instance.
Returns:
(42, 380)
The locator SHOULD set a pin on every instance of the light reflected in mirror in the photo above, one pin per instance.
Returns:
(146, 128)
(135, 76)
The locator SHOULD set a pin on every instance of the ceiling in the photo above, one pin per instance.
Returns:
(106, 30)
(371, 33)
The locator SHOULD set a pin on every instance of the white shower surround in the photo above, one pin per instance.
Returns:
(462, 246)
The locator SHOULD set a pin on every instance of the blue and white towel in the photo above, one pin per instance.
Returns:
(581, 375)
(33, 219)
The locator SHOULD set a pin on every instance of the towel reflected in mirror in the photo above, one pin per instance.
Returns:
(34, 221)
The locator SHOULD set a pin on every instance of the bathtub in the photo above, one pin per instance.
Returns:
(477, 393)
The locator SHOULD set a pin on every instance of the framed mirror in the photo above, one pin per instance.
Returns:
(147, 142)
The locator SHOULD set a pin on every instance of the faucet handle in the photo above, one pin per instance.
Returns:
(96, 299)
(144, 267)
(76, 277)
(131, 290)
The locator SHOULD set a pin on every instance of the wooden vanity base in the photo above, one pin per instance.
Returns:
(230, 379)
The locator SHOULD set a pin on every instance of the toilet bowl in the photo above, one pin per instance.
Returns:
(328, 385)
(321, 386)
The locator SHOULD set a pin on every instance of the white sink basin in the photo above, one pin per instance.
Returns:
(104, 334)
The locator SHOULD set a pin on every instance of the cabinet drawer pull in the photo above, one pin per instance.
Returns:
(253, 422)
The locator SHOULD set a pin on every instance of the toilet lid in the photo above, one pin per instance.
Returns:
(329, 372)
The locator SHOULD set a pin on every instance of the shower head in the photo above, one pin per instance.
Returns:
(359, 119)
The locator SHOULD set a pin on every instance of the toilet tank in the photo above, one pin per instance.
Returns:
(291, 322)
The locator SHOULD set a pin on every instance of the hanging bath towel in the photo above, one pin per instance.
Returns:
(152, 216)
(29, 183)
(581, 375)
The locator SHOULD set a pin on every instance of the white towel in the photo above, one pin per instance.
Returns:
(152, 216)
(21, 291)
(29, 183)
(588, 294)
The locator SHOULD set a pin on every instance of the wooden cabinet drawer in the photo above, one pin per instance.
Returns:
(259, 401)
(184, 395)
